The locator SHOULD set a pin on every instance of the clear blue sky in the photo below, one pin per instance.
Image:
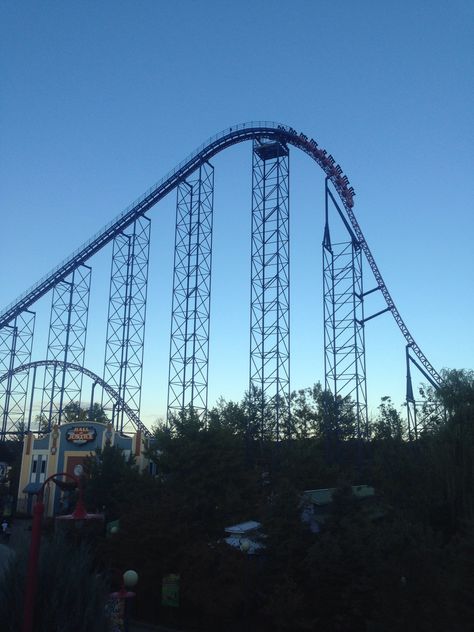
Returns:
(98, 100)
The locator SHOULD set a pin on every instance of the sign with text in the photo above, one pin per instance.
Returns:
(79, 435)
(170, 591)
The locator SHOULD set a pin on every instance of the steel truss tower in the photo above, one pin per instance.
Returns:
(270, 289)
(66, 342)
(16, 341)
(124, 347)
(189, 346)
(269, 371)
(344, 337)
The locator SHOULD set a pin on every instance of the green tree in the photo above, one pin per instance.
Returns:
(206, 468)
(457, 392)
(388, 423)
(230, 415)
(42, 423)
(338, 418)
(306, 411)
(71, 595)
(404, 564)
(112, 481)
(75, 412)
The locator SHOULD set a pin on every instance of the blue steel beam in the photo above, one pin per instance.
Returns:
(126, 318)
(189, 343)
(15, 348)
(270, 289)
(63, 366)
(66, 342)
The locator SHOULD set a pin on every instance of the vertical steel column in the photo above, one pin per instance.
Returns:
(270, 289)
(427, 413)
(410, 402)
(189, 343)
(125, 341)
(66, 342)
(343, 312)
(16, 341)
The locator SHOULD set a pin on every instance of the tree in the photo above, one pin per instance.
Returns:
(338, 421)
(402, 562)
(454, 398)
(306, 411)
(229, 415)
(457, 392)
(110, 481)
(97, 414)
(71, 594)
(388, 424)
(42, 422)
(75, 412)
(258, 414)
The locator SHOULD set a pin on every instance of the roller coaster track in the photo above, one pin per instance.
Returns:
(95, 378)
(261, 130)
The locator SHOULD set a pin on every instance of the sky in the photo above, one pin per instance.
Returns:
(98, 100)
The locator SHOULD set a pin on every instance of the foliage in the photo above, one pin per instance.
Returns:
(457, 392)
(112, 481)
(388, 424)
(75, 412)
(70, 596)
(205, 469)
(306, 411)
(400, 561)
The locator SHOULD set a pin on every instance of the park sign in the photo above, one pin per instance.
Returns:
(170, 591)
(79, 435)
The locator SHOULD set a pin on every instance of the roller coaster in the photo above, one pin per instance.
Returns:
(193, 180)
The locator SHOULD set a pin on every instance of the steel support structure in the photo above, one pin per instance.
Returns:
(66, 324)
(276, 132)
(344, 334)
(270, 290)
(190, 314)
(411, 405)
(423, 415)
(66, 342)
(123, 365)
(16, 341)
(96, 379)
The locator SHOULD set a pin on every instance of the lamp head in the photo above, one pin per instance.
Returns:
(130, 578)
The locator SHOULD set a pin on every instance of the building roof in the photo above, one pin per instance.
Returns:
(245, 536)
(323, 497)
(243, 528)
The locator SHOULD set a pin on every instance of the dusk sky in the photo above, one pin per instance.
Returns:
(99, 100)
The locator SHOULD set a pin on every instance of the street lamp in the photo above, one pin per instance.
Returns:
(129, 580)
(79, 515)
(245, 545)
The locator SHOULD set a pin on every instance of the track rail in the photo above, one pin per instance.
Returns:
(77, 367)
(236, 134)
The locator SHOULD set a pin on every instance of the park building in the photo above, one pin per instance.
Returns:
(62, 450)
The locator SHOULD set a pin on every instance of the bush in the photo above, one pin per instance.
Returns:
(70, 596)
